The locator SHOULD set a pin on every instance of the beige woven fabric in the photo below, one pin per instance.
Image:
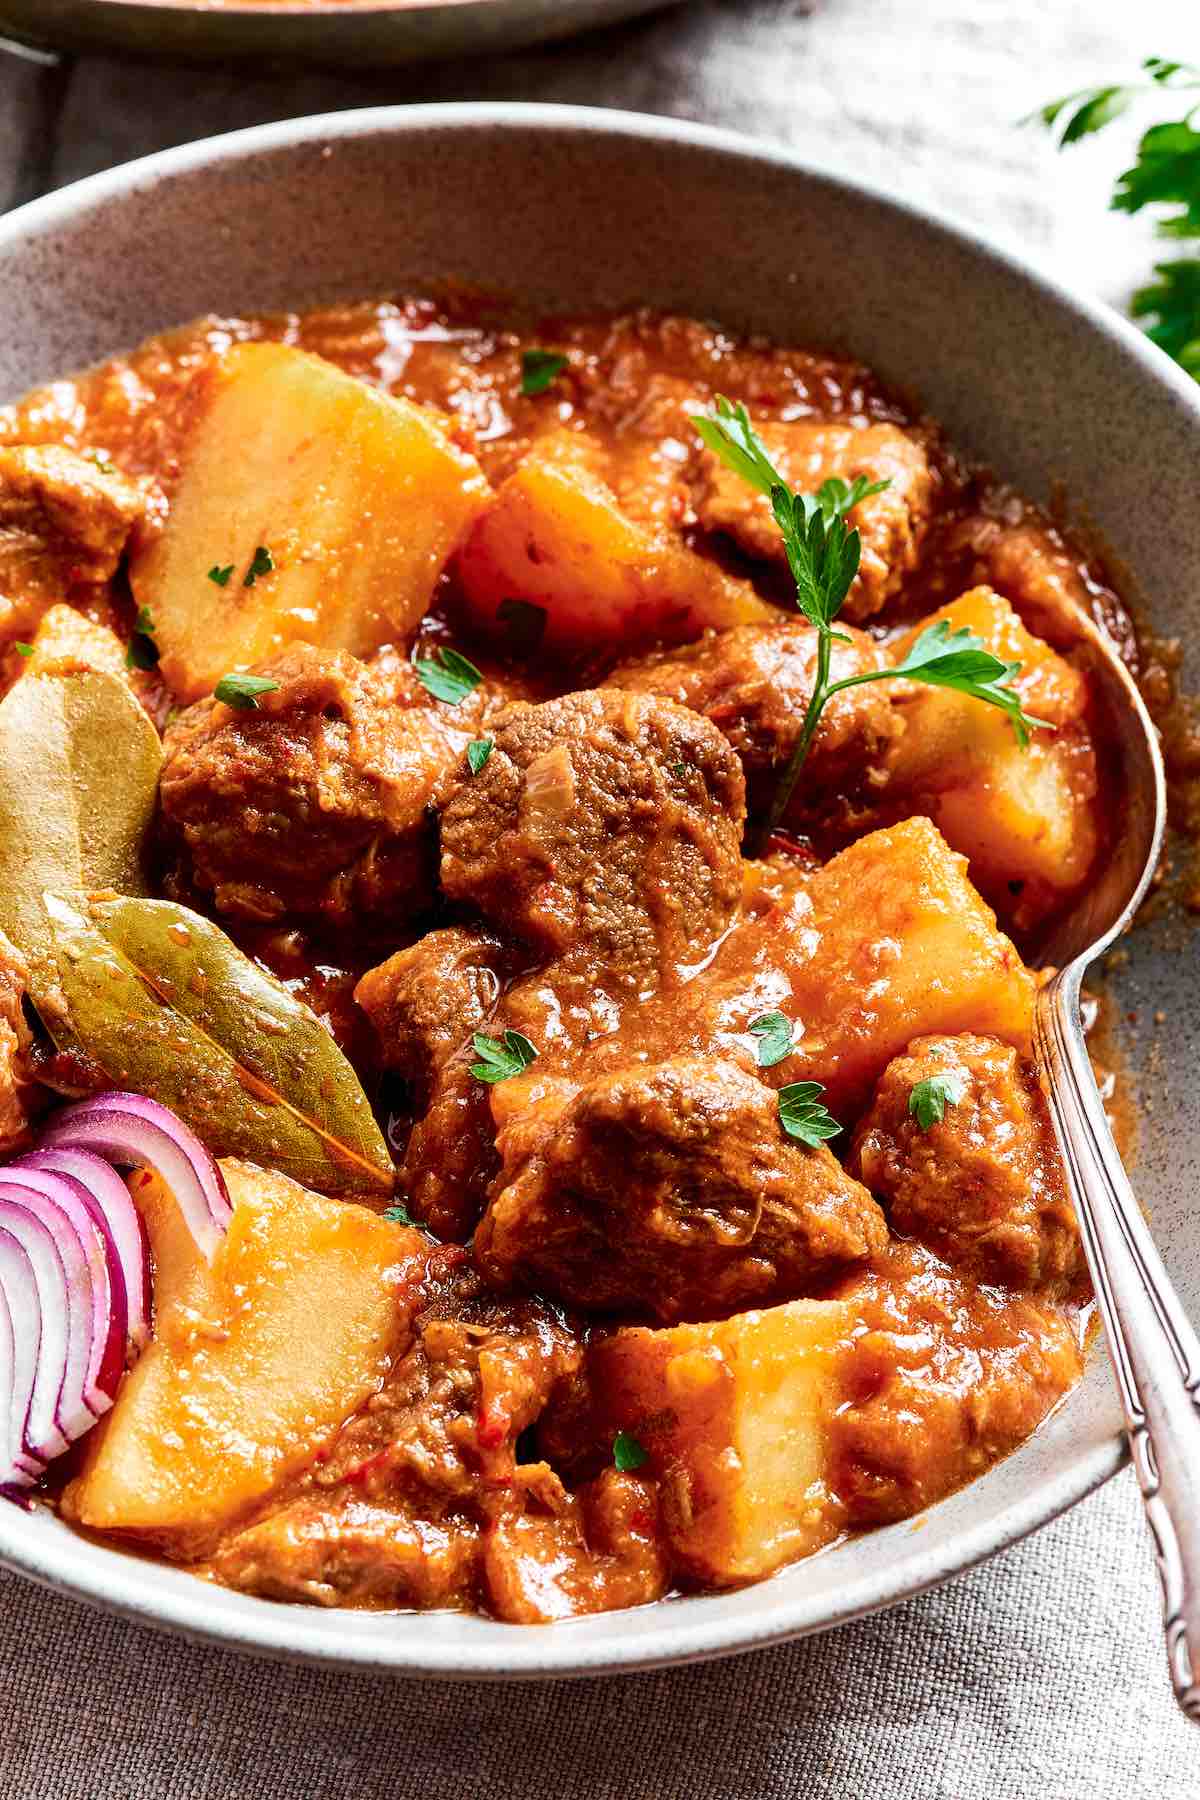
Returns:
(1038, 1677)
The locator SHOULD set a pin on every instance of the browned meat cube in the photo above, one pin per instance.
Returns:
(985, 1187)
(940, 1379)
(602, 818)
(672, 1190)
(317, 802)
(755, 682)
(63, 519)
(806, 453)
(426, 1000)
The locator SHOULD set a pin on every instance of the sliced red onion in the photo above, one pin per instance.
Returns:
(57, 1414)
(20, 1332)
(53, 1197)
(109, 1202)
(131, 1130)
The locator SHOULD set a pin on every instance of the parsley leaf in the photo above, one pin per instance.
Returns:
(399, 1215)
(774, 1034)
(261, 563)
(141, 652)
(500, 1058)
(929, 1099)
(241, 691)
(1165, 174)
(958, 659)
(823, 552)
(539, 368)
(220, 573)
(802, 1114)
(524, 623)
(447, 676)
(24, 649)
(478, 751)
(1085, 111)
(628, 1453)
(1172, 305)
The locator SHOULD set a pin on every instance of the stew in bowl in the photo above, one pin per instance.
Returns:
(528, 850)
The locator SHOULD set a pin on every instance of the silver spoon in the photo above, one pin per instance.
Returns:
(1155, 1352)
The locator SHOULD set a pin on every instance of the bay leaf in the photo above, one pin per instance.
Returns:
(168, 1006)
(79, 767)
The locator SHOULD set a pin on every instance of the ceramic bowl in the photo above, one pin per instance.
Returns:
(329, 33)
(594, 209)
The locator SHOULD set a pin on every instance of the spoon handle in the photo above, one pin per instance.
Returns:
(1154, 1350)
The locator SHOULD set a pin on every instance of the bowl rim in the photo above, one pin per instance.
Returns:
(664, 1633)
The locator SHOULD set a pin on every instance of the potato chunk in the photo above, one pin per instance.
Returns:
(67, 639)
(358, 497)
(255, 1359)
(1025, 818)
(892, 942)
(554, 536)
(736, 1419)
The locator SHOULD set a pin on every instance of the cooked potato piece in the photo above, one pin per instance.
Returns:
(554, 536)
(358, 497)
(735, 1417)
(254, 1361)
(897, 944)
(1025, 818)
(65, 636)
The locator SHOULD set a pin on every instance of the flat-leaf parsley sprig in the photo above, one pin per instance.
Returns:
(1166, 173)
(823, 552)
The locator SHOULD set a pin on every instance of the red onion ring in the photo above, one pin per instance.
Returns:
(116, 1217)
(132, 1130)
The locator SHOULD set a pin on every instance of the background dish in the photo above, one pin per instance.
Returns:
(600, 209)
(334, 32)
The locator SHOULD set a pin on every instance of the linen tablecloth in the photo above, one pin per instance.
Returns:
(1037, 1677)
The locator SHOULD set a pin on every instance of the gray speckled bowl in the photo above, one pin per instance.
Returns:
(371, 33)
(600, 208)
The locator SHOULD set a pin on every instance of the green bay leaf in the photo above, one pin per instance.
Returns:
(168, 1006)
(79, 767)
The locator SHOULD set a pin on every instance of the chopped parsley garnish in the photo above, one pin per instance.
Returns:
(929, 1099)
(802, 1114)
(1166, 173)
(141, 652)
(500, 1058)
(261, 563)
(447, 675)
(823, 552)
(399, 1215)
(524, 623)
(478, 751)
(220, 573)
(628, 1453)
(774, 1034)
(242, 691)
(24, 649)
(539, 368)
(104, 463)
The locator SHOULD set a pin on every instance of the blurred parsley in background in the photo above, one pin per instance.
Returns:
(1166, 173)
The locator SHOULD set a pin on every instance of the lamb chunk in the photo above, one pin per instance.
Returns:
(671, 1190)
(602, 818)
(985, 1187)
(755, 682)
(941, 1378)
(64, 526)
(426, 1000)
(808, 452)
(317, 803)
(451, 1157)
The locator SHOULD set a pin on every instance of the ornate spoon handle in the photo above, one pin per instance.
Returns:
(1155, 1352)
